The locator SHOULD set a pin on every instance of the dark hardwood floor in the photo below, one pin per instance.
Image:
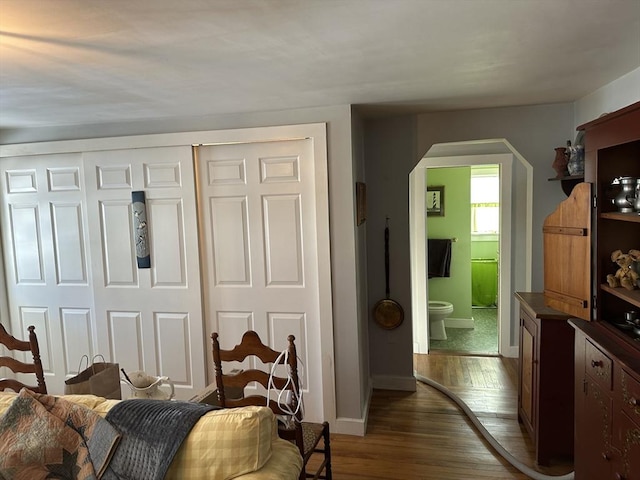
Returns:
(423, 435)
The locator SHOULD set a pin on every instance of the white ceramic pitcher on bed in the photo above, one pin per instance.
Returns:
(143, 385)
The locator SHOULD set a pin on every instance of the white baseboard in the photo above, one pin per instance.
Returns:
(459, 323)
(350, 426)
(511, 352)
(389, 382)
(355, 426)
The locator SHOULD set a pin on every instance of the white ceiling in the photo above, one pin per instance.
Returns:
(69, 62)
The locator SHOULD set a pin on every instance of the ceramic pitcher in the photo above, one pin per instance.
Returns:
(143, 385)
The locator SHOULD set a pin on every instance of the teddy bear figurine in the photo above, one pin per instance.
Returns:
(626, 276)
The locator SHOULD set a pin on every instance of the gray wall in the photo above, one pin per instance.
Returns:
(394, 147)
(390, 154)
(534, 131)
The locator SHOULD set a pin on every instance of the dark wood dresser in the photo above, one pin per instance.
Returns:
(607, 390)
(545, 380)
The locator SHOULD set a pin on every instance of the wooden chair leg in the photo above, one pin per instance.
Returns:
(325, 465)
(327, 452)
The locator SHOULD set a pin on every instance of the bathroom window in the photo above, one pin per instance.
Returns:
(485, 201)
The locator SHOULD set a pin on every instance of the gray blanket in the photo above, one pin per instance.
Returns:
(152, 432)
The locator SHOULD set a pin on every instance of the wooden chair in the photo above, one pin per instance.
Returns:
(305, 435)
(16, 366)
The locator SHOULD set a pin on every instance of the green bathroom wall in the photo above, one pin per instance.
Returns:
(456, 223)
(481, 248)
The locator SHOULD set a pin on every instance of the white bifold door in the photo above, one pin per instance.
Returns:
(260, 250)
(47, 263)
(71, 270)
(147, 319)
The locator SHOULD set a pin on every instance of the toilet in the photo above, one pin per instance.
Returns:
(438, 311)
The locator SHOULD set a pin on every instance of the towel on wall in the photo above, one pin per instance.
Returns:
(439, 252)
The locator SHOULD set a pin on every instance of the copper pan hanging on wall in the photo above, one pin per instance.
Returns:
(387, 312)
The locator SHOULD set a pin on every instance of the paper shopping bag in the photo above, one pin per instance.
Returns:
(100, 378)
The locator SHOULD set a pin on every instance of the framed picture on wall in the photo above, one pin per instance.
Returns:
(435, 201)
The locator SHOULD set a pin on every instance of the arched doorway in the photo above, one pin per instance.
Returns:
(515, 240)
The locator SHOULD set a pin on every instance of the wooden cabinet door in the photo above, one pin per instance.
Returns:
(567, 277)
(627, 465)
(626, 424)
(527, 372)
(593, 434)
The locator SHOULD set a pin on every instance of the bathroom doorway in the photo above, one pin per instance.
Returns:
(473, 328)
(514, 239)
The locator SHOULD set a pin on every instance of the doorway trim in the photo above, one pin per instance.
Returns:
(515, 237)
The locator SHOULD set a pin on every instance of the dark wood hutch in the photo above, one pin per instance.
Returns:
(578, 360)
(607, 352)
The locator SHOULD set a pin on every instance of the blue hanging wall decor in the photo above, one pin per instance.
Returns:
(140, 229)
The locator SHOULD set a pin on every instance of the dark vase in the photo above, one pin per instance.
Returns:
(560, 162)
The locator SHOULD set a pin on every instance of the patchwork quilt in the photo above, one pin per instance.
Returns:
(43, 437)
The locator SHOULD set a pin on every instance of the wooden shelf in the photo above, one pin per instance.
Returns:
(568, 182)
(568, 177)
(631, 296)
(626, 336)
(625, 217)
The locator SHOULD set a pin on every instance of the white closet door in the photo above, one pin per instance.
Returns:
(147, 319)
(260, 251)
(46, 258)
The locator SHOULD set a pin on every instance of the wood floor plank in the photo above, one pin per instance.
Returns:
(423, 435)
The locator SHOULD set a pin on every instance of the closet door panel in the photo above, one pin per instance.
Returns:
(148, 318)
(46, 258)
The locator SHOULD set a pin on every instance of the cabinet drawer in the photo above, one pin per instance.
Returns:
(630, 390)
(598, 366)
